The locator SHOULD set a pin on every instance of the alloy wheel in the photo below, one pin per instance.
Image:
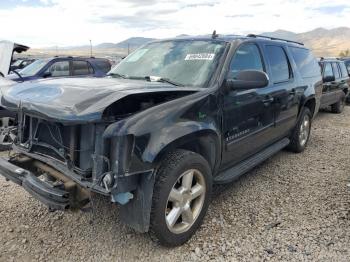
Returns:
(304, 130)
(185, 201)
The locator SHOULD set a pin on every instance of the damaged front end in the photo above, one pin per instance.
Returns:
(74, 158)
(62, 162)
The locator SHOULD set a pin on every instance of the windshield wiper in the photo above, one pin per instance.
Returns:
(162, 79)
(117, 75)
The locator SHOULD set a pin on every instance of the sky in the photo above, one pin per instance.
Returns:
(47, 23)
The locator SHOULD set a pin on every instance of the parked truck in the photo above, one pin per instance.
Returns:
(172, 119)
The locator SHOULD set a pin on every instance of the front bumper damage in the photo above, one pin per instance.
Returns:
(54, 198)
(134, 192)
(57, 196)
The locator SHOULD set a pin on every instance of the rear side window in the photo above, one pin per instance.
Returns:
(305, 62)
(81, 68)
(278, 60)
(343, 70)
(327, 71)
(336, 70)
(247, 57)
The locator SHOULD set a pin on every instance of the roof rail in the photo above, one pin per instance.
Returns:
(274, 38)
(330, 58)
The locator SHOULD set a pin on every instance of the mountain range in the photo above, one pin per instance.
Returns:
(323, 42)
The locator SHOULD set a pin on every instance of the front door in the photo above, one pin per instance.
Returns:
(329, 89)
(248, 116)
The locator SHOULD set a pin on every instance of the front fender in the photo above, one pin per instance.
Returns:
(157, 127)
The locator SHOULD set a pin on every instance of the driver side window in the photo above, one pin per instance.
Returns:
(328, 72)
(59, 69)
(247, 57)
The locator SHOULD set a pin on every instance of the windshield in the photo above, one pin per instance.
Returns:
(33, 68)
(187, 63)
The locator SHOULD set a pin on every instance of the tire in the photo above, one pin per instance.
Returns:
(338, 107)
(301, 133)
(168, 217)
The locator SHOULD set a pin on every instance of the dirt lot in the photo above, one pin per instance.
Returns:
(293, 207)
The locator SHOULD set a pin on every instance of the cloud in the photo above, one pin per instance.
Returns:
(240, 16)
(332, 9)
(67, 22)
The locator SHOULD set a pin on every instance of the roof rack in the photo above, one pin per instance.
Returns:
(274, 38)
(330, 58)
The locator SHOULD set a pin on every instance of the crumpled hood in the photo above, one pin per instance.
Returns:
(76, 99)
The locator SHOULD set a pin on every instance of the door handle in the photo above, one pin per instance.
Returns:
(268, 99)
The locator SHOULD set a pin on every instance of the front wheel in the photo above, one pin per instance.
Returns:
(180, 198)
(301, 133)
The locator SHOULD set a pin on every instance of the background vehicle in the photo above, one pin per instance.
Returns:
(336, 84)
(7, 49)
(21, 63)
(44, 68)
(63, 67)
(173, 118)
(347, 63)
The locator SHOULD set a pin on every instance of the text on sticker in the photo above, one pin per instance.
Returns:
(201, 56)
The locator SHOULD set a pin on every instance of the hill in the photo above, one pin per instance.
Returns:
(323, 42)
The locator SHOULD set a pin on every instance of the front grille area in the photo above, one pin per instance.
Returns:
(71, 144)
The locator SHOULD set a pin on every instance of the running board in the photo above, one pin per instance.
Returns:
(235, 172)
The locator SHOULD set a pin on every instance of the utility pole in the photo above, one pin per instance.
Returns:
(128, 48)
(90, 49)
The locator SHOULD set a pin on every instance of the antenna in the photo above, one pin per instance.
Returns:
(214, 35)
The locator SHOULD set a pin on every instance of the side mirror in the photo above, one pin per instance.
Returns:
(248, 79)
(327, 79)
(47, 74)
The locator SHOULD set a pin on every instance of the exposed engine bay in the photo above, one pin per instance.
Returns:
(76, 158)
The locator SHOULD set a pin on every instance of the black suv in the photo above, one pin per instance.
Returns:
(171, 119)
(347, 64)
(336, 84)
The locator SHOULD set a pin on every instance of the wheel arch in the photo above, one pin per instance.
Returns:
(310, 104)
(203, 142)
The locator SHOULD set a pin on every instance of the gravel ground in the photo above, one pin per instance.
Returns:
(292, 207)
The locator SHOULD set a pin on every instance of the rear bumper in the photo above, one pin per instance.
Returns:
(54, 198)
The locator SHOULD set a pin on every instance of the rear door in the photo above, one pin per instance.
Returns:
(284, 87)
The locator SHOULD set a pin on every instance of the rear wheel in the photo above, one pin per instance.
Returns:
(301, 133)
(339, 106)
(180, 198)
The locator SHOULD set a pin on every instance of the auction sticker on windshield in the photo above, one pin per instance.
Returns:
(200, 56)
